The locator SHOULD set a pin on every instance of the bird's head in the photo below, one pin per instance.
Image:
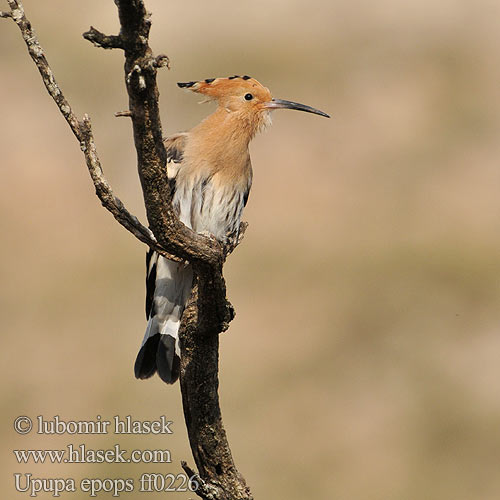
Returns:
(245, 98)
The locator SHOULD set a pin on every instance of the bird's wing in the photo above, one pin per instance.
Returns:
(174, 145)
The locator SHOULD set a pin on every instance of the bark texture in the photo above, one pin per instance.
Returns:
(208, 312)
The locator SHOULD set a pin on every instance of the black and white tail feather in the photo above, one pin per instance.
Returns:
(168, 285)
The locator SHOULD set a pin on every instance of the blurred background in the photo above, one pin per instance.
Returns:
(364, 360)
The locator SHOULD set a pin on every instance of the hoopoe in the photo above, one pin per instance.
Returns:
(210, 173)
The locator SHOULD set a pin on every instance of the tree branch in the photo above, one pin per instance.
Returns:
(208, 312)
(105, 193)
(101, 40)
(83, 132)
(140, 78)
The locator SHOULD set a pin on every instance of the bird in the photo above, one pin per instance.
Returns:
(210, 176)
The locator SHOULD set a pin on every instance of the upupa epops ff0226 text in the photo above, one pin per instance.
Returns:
(210, 173)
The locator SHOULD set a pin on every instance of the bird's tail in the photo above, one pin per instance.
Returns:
(168, 286)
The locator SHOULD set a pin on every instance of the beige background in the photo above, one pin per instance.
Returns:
(364, 360)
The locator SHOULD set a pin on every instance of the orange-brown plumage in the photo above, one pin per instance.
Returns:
(247, 116)
(211, 175)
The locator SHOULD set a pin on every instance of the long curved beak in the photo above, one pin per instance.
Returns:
(282, 104)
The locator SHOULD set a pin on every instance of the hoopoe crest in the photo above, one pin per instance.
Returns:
(210, 173)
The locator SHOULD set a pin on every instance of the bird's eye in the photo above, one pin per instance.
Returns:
(248, 97)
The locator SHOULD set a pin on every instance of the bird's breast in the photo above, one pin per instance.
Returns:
(211, 198)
